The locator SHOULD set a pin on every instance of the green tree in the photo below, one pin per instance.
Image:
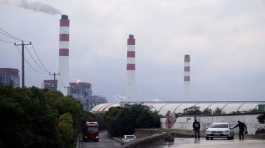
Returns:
(207, 111)
(33, 117)
(261, 118)
(66, 130)
(218, 111)
(193, 110)
(120, 121)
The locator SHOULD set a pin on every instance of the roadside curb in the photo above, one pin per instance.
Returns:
(117, 139)
(145, 140)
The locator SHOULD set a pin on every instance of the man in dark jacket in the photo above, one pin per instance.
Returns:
(196, 129)
(242, 129)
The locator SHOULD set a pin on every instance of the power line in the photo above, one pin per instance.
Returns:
(7, 34)
(30, 65)
(38, 58)
(34, 59)
(23, 44)
(28, 62)
(7, 42)
(40, 63)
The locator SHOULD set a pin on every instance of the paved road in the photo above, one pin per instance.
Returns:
(190, 143)
(105, 142)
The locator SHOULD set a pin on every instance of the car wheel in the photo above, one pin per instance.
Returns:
(207, 138)
(212, 138)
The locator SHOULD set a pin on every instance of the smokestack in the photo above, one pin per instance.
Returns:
(187, 68)
(32, 5)
(187, 77)
(130, 67)
(63, 81)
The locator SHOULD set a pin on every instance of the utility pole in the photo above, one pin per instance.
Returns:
(23, 44)
(54, 79)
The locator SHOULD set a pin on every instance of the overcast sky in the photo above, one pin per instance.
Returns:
(225, 39)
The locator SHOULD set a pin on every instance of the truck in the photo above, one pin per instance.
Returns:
(90, 131)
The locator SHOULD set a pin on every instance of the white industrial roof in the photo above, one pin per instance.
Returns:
(163, 108)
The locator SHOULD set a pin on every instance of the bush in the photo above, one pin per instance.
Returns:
(66, 130)
(261, 118)
(260, 131)
(193, 110)
(218, 111)
(207, 111)
(121, 121)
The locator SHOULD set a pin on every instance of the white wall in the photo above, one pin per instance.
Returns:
(186, 122)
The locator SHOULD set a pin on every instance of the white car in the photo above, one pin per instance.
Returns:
(128, 138)
(219, 130)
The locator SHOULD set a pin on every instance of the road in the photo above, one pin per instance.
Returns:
(105, 142)
(190, 143)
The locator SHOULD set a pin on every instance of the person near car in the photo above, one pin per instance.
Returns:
(196, 129)
(242, 129)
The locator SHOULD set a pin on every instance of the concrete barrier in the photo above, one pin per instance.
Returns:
(147, 136)
(145, 140)
(154, 135)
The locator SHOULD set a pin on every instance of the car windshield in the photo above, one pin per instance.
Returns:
(219, 126)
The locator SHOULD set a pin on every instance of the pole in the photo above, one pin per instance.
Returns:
(23, 60)
(54, 79)
(23, 64)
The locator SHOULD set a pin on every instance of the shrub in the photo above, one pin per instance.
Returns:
(121, 121)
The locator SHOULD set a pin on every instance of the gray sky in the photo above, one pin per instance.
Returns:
(224, 37)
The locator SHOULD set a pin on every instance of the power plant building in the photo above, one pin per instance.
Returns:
(9, 77)
(82, 91)
(50, 84)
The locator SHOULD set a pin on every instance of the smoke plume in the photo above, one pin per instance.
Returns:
(32, 5)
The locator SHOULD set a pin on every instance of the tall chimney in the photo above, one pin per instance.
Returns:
(187, 68)
(63, 81)
(131, 67)
(187, 77)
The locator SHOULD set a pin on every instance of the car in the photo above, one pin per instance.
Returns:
(219, 130)
(128, 138)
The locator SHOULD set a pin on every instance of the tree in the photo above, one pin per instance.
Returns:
(207, 111)
(66, 130)
(121, 121)
(32, 117)
(218, 111)
(193, 110)
(261, 118)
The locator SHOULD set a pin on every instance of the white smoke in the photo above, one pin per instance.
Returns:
(32, 5)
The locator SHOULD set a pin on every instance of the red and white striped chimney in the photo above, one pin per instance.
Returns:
(187, 68)
(187, 77)
(63, 81)
(130, 67)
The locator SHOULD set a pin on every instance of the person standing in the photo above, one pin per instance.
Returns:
(242, 129)
(196, 129)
